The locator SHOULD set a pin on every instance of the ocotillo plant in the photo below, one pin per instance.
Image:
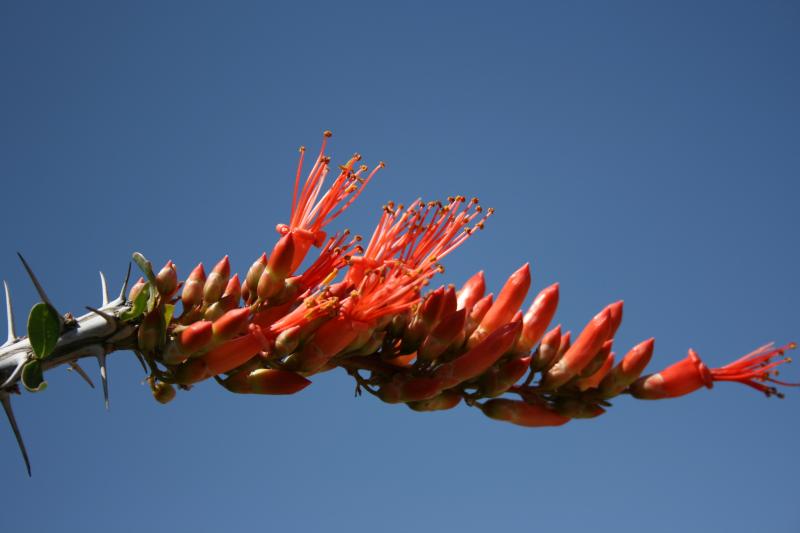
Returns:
(363, 306)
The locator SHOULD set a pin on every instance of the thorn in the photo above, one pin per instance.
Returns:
(101, 360)
(141, 361)
(73, 365)
(104, 288)
(125, 284)
(6, 401)
(12, 335)
(109, 318)
(39, 289)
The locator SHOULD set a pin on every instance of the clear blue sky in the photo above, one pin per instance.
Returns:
(638, 150)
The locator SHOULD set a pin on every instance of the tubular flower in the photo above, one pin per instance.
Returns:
(365, 306)
(755, 370)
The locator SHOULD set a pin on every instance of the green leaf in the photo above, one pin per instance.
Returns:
(139, 304)
(169, 311)
(32, 377)
(145, 266)
(44, 327)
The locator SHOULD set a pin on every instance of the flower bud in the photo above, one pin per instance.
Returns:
(544, 356)
(443, 335)
(217, 280)
(149, 334)
(233, 289)
(274, 381)
(271, 282)
(231, 324)
(579, 354)
(538, 317)
(441, 402)
(254, 274)
(507, 304)
(522, 414)
(167, 280)
(573, 408)
(480, 358)
(220, 307)
(136, 289)
(471, 292)
(163, 392)
(192, 293)
(628, 370)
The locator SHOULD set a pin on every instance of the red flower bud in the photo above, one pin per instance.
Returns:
(577, 409)
(190, 372)
(167, 280)
(443, 335)
(407, 388)
(522, 414)
(472, 291)
(279, 266)
(592, 381)
(545, 355)
(598, 360)
(254, 273)
(273, 381)
(480, 358)
(331, 338)
(628, 370)
(235, 352)
(217, 280)
(192, 293)
(214, 311)
(499, 379)
(507, 304)
(579, 354)
(231, 324)
(233, 289)
(287, 341)
(440, 402)
(538, 317)
(195, 337)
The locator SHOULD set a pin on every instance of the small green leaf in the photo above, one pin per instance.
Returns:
(146, 266)
(153, 299)
(32, 377)
(44, 327)
(169, 311)
(139, 304)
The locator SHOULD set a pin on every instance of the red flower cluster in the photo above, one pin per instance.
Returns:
(361, 307)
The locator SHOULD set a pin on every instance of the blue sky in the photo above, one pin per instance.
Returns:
(638, 150)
